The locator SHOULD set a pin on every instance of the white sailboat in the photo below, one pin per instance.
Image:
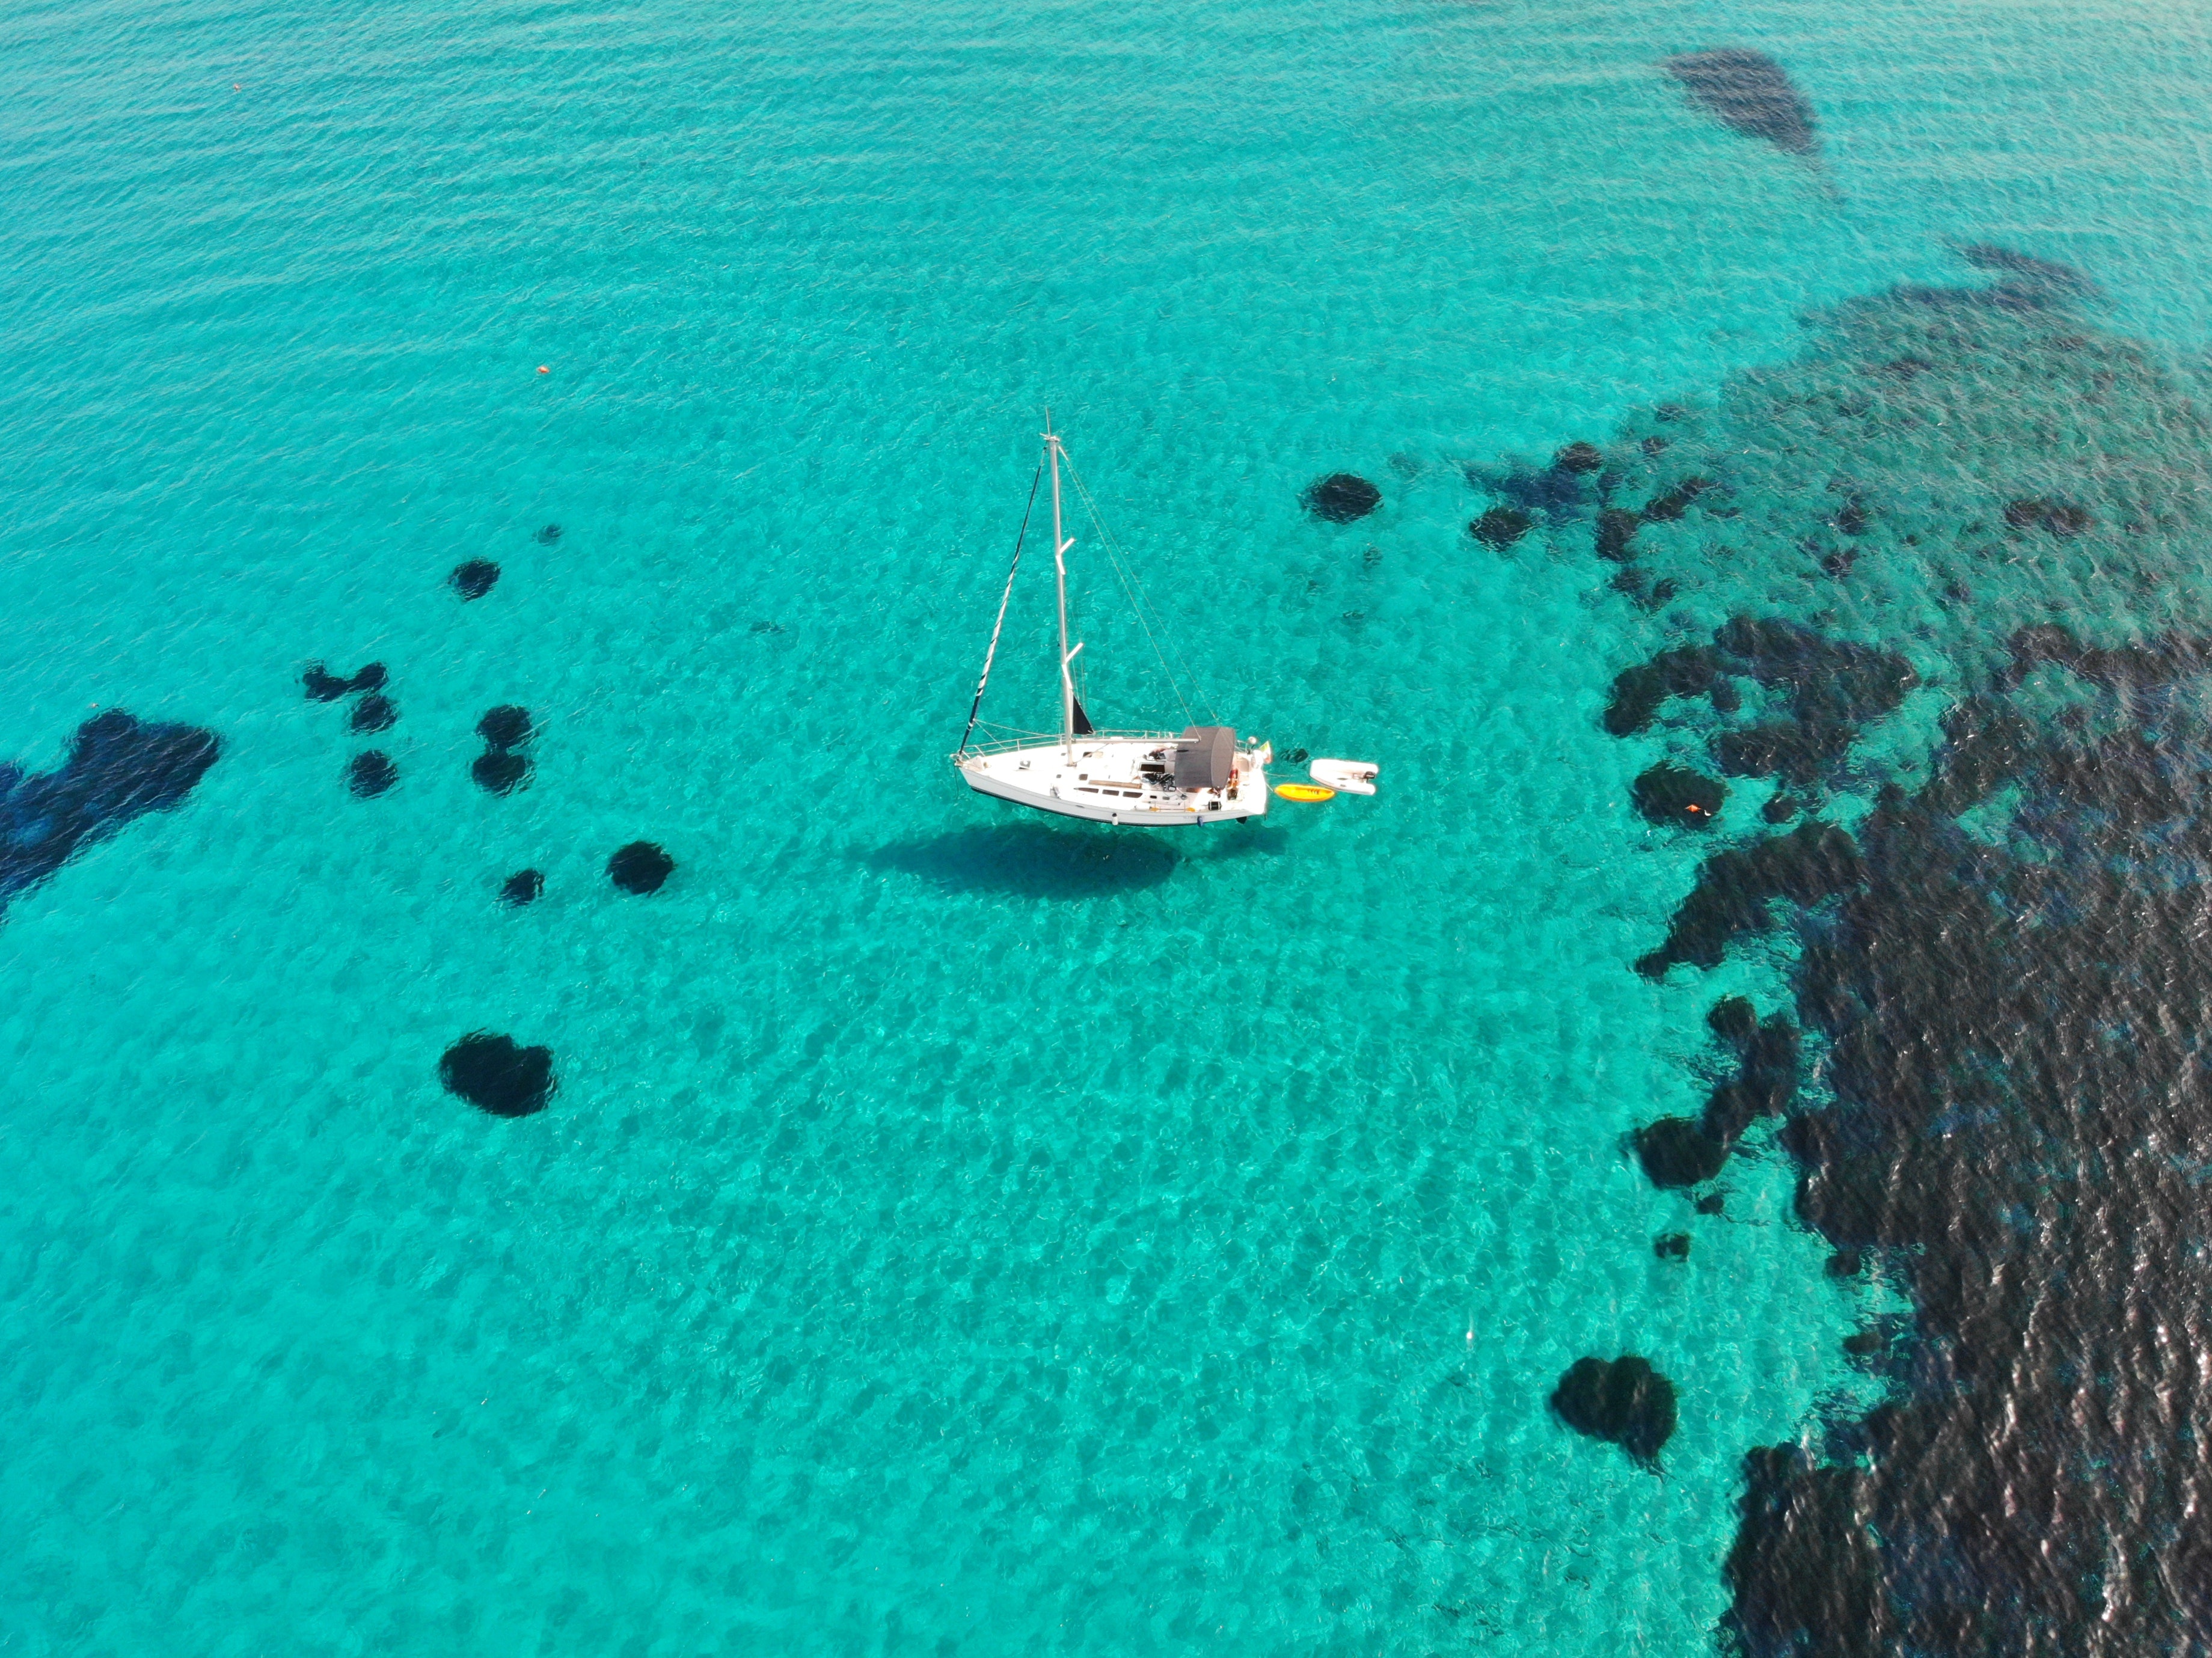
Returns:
(1203, 774)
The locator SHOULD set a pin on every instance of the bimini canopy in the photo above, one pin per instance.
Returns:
(1204, 757)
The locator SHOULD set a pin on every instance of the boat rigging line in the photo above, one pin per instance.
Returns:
(1138, 603)
(975, 707)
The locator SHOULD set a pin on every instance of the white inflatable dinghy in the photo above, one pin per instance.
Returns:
(1348, 776)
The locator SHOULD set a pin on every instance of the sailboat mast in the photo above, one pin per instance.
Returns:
(1060, 544)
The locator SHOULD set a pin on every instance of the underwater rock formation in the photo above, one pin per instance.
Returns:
(2060, 517)
(1676, 1152)
(2054, 999)
(1342, 498)
(2018, 297)
(370, 772)
(1749, 93)
(1832, 687)
(497, 771)
(1553, 491)
(1734, 1020)
(525, 886)
(474, 579)
(1812, 863)
(640, 867)
(548, 536)
(1623, 1401)
(118, 768)
(1829, 689)
(2141, 665)
(1781, 749)
(1672, 1246)
(324, 686)
(506, 726)
(1889, 404)
(1639, 692)
(1766, 1086)
(1615, 542)
(2000, 967)
(1674, 795)
(1500, 527)
(496, 1075)
(2060, 279)
(1806, 1571)
(504, 729)
(1557, 493)
(1669, 505)
(373, 713)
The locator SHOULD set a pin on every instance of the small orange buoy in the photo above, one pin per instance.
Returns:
(543, 369)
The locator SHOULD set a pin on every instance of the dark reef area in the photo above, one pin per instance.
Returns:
(1953, 565)
(118, 768)
(370, 773)
(1825, 690)
(1341, 498)
(496, 1075)
(1679, 1151)
(324, 686)
(1678, 796)
(1624, 1401)
(1748, 92)
(640, 867)
(498, 772)
(1676, 1151)
(1736, 888)
(474, 579)
(499, 769)
(507, 727)
(2016, 1039)
(373, 713)
(1500, 527)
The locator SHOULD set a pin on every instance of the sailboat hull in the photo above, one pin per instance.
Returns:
(1116, 778)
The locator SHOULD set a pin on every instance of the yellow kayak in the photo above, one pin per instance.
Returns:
(1308, 791)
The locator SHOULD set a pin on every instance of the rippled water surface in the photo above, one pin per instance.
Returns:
(957, 1232)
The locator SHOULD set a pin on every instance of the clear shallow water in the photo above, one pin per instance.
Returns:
(951, 1233)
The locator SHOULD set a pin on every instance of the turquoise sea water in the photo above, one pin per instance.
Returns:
(952, 1233)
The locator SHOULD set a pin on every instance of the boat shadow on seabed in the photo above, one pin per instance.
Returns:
(1034, 861)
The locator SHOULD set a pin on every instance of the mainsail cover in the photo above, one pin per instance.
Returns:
(1204, 757)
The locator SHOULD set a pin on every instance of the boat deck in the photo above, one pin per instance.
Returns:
(1116, 778)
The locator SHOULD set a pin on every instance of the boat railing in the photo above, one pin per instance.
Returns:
(1051, 739)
